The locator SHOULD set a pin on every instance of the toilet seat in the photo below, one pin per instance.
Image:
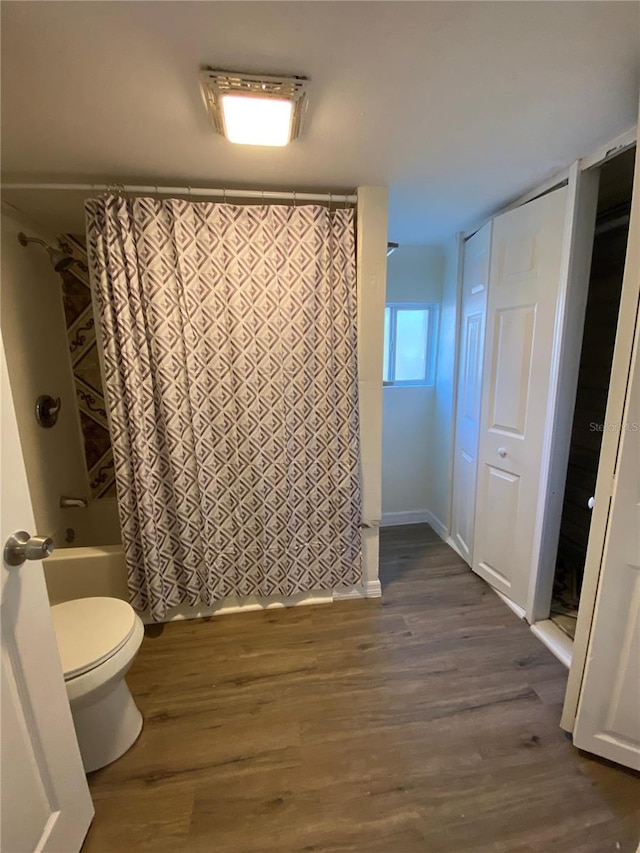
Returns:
(89, 631)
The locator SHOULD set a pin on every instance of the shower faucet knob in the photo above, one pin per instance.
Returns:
(20, 546)
(47, 410)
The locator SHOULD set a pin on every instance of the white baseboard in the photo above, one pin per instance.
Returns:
(368, 589)
(519, 611)
(395, 519)
(236, 604)
(555, 640)
(451, 543)
(415, 516)
(441, 529)
(372, 589)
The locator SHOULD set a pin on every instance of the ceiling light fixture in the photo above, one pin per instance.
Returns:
(255, 109)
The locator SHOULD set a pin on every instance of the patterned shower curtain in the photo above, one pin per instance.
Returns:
(229, 336)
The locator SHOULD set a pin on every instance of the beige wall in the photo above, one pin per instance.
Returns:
(414, 274)
(38, 362)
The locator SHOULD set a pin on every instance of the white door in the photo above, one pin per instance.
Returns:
(475, 280)
(44, 798)
(524, 282)
(608, 718)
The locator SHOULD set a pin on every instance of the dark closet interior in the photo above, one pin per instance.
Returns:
(603, 303)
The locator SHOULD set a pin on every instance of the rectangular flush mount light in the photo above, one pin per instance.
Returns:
(255, 109)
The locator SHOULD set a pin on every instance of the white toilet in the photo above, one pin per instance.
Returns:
(98, 639)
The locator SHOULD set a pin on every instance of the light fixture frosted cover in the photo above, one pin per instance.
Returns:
(257, 121)
(255, 109)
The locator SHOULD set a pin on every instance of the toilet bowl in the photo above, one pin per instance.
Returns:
(98, 639)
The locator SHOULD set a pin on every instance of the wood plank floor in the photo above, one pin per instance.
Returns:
(424, 722)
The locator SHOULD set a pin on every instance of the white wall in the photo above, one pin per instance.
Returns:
(414, 274)
(38, 362)
(442, 415)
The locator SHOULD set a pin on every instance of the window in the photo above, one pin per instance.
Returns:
(409, 344)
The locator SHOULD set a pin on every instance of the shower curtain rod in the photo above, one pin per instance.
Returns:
(266, 195)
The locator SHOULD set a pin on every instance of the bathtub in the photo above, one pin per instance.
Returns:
(101, 570)
(84, 569)
(86, 572)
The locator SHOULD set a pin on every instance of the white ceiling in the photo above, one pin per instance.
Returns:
(457, 107)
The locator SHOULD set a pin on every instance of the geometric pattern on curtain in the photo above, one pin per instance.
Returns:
(230, 357)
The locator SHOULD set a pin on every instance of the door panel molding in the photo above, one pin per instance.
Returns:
(515, 329)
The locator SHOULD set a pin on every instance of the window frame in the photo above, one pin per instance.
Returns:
(430, 361)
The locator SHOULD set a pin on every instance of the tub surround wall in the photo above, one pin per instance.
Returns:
(98, 523)
(102, 523)
(34, 333)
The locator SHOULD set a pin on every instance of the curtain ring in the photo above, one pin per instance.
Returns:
(294, 198)
(190, 196)
(330, 201)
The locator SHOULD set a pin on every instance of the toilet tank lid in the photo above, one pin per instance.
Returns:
(90, 630)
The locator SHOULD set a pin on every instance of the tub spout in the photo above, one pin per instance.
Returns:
(66, 502)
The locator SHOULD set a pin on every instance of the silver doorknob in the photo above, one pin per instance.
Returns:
(502, 452)
(20, 547)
